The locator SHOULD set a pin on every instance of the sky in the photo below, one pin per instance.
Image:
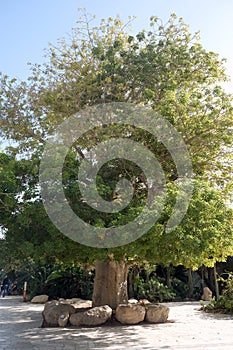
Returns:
(27, 26)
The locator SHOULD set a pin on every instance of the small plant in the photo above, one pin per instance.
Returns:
(224, 303)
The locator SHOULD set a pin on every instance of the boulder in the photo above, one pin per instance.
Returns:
(143, 302)
(156, 313)
(63, 319)
(53, 310)
(77, 302)
(207, 294)
(40, 299)
(76, 319)
(93, 317)
(82, 304)
(130, 313)
(132, 301)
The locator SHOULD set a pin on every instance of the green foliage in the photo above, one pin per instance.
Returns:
(70, 281)
(204, 236)
(148, 281)
(35, 276)
(154, 290)
(180, 289)
(57, 281)
(224, 304)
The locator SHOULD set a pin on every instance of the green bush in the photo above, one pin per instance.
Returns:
(224, 303)
(35, 275)
(154, 290)
(179, 288)
(70, 281)
(59, 281)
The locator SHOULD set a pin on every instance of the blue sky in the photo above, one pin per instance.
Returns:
(27, 26)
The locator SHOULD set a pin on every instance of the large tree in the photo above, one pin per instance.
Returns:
(165, 69)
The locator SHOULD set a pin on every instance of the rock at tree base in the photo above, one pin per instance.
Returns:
(40, 299)
(63, 319)
(68, 312)
(130, 313)
(132, 301)
(53, 310)
(92, 317)
(77, 302)
(156, 313)
(143, 302)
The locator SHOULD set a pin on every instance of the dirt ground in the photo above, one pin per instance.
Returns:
(188, 328)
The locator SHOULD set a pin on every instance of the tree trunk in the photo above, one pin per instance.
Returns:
(202, 277)
(168, 276)
(207, 277)
(216, 281)
(130, 284)
(132, 275)
(190, 283)
(110, 285)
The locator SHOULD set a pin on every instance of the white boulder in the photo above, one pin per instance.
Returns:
(130, 313)
(156, 313)
(93, 317)
(40, 299)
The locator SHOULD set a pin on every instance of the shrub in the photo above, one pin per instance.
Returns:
(154, 290)
(59, 281)
(70, 281)
(224, 303)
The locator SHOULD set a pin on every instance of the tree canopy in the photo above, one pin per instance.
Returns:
(165, 69)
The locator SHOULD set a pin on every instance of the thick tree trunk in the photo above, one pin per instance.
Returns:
(110, 285)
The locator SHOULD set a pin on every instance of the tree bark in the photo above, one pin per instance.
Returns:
(110, 284)
(132, 275)
(216, 281)
(130, 284)
(168, 276)
(190, 283)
